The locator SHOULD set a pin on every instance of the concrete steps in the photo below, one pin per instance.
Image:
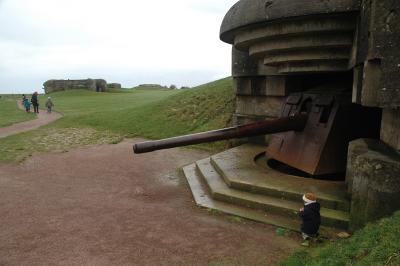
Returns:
(220, 191)
(239, 170)
(230, 183)
(205, 200)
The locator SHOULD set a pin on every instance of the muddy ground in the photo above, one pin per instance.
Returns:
(102, 205)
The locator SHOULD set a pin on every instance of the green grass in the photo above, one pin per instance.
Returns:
(97, 118)
(49, 139)
(376, 244)
(11, 114)
(148, 113)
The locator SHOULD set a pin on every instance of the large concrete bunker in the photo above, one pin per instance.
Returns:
(335, 61)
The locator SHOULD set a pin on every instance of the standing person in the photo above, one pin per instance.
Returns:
(27, 105)
(35, 102)
(49, 104)
(23, 101)
(311, 218)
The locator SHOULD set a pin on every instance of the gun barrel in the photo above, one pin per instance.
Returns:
(283, 124)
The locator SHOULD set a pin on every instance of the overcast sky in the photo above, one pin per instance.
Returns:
(125, 41)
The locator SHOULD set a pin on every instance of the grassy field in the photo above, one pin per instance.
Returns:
(96, 118)
(10, 113)
(376, 244)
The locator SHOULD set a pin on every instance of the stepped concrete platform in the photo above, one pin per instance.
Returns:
(232, 182)
(239, 169)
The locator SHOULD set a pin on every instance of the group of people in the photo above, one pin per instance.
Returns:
(35, 103)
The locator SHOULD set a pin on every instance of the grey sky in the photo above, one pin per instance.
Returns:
(125, 41)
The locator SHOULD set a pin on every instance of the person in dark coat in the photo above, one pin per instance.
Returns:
(311, 218)
(35, 102)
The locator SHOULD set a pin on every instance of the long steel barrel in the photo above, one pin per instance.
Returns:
(296, 122)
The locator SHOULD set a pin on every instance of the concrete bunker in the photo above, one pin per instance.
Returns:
(293, 57)
(98, 85)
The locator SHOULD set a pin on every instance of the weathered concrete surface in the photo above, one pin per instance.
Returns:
(372, 81)
(240, 171)
(379, 39)
(375, 170)
(242, 64)
(260, 106)
(309, 25)
(247, 12)
(250, 86)
(99, 85)
(390, 131)
(357, 84)
(236, 184)
(102, 205)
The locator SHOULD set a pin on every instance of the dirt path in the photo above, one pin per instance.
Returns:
(43, 118)
(103, 205)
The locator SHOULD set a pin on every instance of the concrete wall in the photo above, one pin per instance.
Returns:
(373, 176)
(376, 63)
(279, 45)
(99, 85)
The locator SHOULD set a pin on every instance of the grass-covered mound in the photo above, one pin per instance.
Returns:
(206, 107)
(149, 113)
(10, 113)
(376, 244)
(95, 118)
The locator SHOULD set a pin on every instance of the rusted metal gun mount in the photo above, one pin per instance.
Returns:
(333, 121)
(311, 135)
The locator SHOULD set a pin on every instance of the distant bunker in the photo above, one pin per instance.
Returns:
(98, 85)
(114, 86)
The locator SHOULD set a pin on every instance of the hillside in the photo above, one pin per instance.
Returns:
(96, 118)
(149, 113)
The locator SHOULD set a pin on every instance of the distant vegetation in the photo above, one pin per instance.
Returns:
(158, 87)
(95, 118)
(376, 244)
(150, 87)
(10, 113)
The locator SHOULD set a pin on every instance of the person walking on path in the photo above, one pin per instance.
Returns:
(311, 218)
(49, 104)
(27, 105)
(35, 102)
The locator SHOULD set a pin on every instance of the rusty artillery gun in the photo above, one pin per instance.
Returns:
(312, 134)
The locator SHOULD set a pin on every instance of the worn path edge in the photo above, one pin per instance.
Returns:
(43, 118)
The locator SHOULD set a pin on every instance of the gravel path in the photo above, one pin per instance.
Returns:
(43, 118)
(102, 205)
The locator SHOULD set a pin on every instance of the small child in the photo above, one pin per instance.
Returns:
(27, 105)
(49, 104)
(311, 218)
